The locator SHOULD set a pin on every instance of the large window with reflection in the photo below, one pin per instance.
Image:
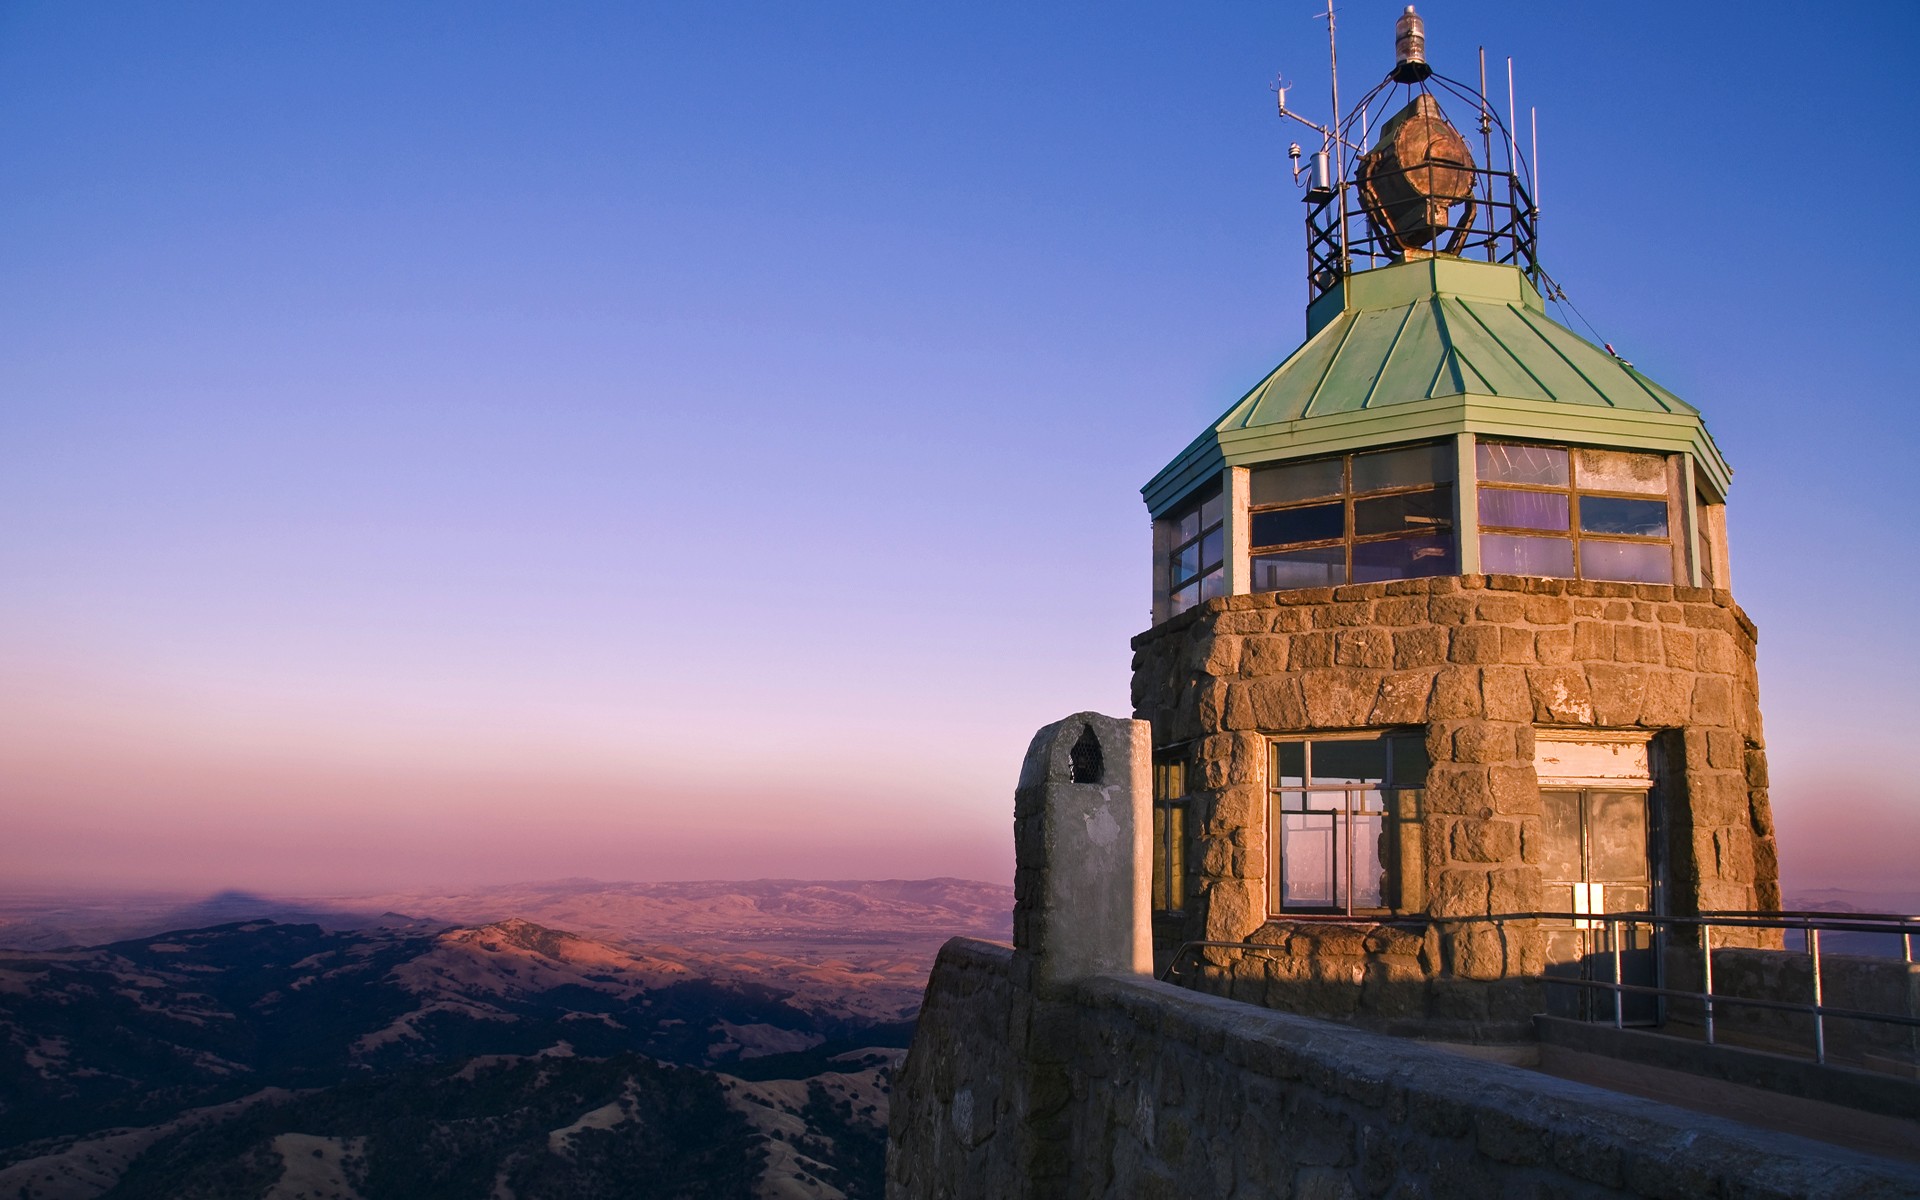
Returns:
(1343, 816)
(1169, 831)
(1358, 518)
(1196, 562)
(1575, 513)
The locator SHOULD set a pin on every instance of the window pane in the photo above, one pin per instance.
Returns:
(1189, 527)
(1506, 508)
(1289, 764)
(1410, 761)
(1369, 861)
(1402, 558)
(1307, 861)
(1160, 875)
(1185, 598)
(1560, 853)
(1296, 481)
(1610, 514)
(1402, 468)
(1210, 512)
(1186, 563)
(1343, 762)
(1504, 554)
(1210, 549)
(1313, 523)
(1627, 562)
(1177, 857)
(1320, 567)
(1618, 471)
(1213, 584)
(1169, 780)
(1504, 462)
(1407, 512)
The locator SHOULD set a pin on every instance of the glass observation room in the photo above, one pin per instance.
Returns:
(1401, 512)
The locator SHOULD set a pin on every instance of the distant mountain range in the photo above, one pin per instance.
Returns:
(707, 1040)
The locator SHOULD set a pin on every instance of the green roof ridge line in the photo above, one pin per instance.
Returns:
(1452, 345)
(1306, 410)
(1446, 361)
(1495, 339)
(1564, 356)
(1386, 363)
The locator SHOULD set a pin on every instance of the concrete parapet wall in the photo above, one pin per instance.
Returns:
(1135, 1090)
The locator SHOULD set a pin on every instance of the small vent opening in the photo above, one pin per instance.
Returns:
(1085, 764)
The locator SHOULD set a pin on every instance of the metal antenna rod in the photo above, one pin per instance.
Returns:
(1533, 119)
(1339, 149)
(1513, 149)
(1486, 147)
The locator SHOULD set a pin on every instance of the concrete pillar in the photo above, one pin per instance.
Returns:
(1083, 865)
(1466, 502)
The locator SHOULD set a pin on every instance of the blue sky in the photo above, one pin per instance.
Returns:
(468, 442)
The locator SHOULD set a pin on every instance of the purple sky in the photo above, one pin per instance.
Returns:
(473, 442)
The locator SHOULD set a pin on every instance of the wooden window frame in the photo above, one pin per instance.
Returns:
(1573, 492)
(1347, 497)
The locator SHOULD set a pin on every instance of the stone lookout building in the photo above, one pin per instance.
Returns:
(1446, 747)
(1442, 630)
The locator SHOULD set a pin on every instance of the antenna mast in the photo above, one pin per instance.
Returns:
(1339, 142)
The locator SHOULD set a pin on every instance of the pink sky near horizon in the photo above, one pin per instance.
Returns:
(467, 445)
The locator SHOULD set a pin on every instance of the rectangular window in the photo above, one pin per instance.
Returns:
(1169, 832)
(1339, 811)
(1196, 567)
(1574, 514)
(1358, 518)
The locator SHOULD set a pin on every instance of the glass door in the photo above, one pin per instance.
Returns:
(1596, 860)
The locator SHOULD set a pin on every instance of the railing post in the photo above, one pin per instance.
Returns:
(1619, 996)
(1819, 1023)
(1706, 947)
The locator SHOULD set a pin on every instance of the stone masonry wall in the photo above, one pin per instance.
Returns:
(1160, 1093)
(1480, 661)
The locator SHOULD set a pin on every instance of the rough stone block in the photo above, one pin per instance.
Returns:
(1211, 703)
(1667, 701)
(1548, 610)
(1343, 616)
(1513, 789)
(1637, 644)
(1513, 889)
(1756, 765)
(1237, 808)
(1680, 647)
(1477, 952)
(1458, 789)
(1422, 647)
(1710, 616)
(1235, 908)
(1263, 656)
(1242, 622)
(1593, 641)
(1485, 841)
(1553, 645)
(1456, 694)
(1363, 648)
(1715, 653)
(1713, 701)
(1460, 891)
(1450, 610)
(1288, 619)
(1618, 692)
(1726, 749)
(1474, 644)
(1311, 650)
(1484, 742)
(1402, 699)
(1401, 612)
(1516, 644)
(1505, 694)
(1340, 698)
(1238, 711)
(1500, 610)
(1276, 705)
(1560, 695)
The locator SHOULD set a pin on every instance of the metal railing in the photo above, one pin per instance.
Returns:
(1616, 927)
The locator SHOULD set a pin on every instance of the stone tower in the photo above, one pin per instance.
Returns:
(1442, 634)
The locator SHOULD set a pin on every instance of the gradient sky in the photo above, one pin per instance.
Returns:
(453, 443)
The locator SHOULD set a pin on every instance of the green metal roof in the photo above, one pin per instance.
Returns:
(1436, 347)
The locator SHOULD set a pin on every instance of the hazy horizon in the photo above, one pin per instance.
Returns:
(478, 443)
